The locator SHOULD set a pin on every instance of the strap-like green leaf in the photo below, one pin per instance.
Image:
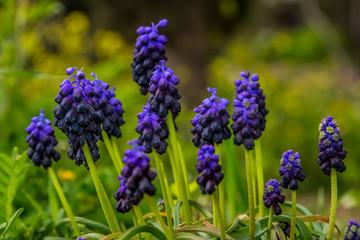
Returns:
(11, 221)
(91, 224)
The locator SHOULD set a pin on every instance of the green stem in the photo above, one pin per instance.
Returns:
(221, 186)
(63, 200)
(117, 152)
(181, 183)
(215, 214)
(170, 197)
(254, 173)
(183, 166)
(271, 217)
(260, 177)
(140, 219)
(250, 195)
(333, 206)
(164, 190)
(111, 152)
(293, 215)
(154, 209)
(220, 220)
(104, 200)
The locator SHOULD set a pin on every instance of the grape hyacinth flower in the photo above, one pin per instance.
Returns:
(331, 147)
(211, 122)
(76, 115)
(291, 170)
(136, 178)
(149, 50)
(353, 231)
(110, 108)
(153, 131)
(285, 227)
(209, 169)
(41, 141)
(272, 196)
(164, 93)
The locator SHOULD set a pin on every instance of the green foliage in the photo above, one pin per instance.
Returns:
(4, 227)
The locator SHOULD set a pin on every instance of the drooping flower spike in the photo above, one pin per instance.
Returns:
(209, 169)
(41, 141)
(331, 147)
(272, 196)
(210, 125)
(135, 178)
(76, 115)
(149, 50)
(291, 170)
(153, 131)
(164, 93)
(110, 108)
(353, 231)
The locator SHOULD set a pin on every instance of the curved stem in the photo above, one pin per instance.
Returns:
(260, 176)
(63, 200)
(139, 217)
(250, 195)
(221, 186)
(293, 215)
(271, 217)
(220, 220)
(333, 206)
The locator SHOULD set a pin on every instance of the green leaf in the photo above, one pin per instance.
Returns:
(135, 230)
(243, 233)
(55, 238)
(201, 208)
(185, 235)
(94, 236)
(210, 231)
(11, 221)
(34, 203)
(176, 213)
(91, 224)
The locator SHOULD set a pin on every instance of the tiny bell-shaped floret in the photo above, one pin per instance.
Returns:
(209, 169)
(123, 201)
(211, 122)
(353, 231)
(41, 141)
(272, 196)
(291, 170)
(331, 147)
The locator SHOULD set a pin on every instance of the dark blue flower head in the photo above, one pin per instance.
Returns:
(353, 231)
(209, 169)
(77, 116)
(110, 109)
(124, 204)
(211, 122)
(137, 175)
(272, 196)
(164, 93)
(249, 110)
(41, 141)
(149, 50)
(291, 170)
(331, 147)
(153, 131)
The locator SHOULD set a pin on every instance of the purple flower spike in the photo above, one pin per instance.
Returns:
(209, 169)
(153, 131)
(164, 94)
(331, 147)
(291, 170)
(41, 141)
(77, 116)
(110, 109)
(249, 110)
(272, 196)
(211, 122)
(353, 231)
(149, 50)
(135, 178)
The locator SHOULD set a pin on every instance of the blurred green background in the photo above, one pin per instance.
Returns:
(305, 52)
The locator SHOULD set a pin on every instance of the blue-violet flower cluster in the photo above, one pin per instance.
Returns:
(291, 170)
(41, 141)
(153, 131)
(149, 50)
(209, 169)
(272, 196)
(353, 231)
(164, 93)
(331, 147)
(249, 110)
(211, 122)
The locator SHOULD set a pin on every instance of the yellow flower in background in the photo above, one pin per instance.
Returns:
(66, 175)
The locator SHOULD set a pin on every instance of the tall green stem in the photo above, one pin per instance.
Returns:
(111, 151)
(250, 195)
(260, 176)
(333, 206)
(183, 166)
(170, 197)
(271, 217)
(104, 200)
(164, 190)
(293, 215)
(252, 156)
(215, 214)
(181, 184)
(117, 152)
(63, 200)
(220, 220)
(221, 186)
(138, 216)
